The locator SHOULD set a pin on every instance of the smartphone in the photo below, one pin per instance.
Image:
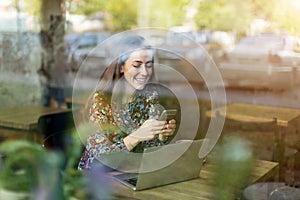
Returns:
(167, 115)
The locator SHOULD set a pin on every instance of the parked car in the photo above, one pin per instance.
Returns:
(189, 51)
(83, 46)
(216, 42)
(70, 40)
(175, 54)
(262, 61)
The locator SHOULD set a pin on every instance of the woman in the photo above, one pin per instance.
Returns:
(126, 105)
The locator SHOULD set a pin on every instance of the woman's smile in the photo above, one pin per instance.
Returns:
(142, 80)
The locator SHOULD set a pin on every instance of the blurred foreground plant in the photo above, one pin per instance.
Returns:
(40, 174)
(31, 170)
(233, 167)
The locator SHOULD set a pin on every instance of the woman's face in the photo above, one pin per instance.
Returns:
(138, 68)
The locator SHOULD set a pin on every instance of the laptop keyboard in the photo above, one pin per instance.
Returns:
(132, 181)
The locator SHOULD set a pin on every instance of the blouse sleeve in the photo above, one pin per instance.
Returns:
(110, 137)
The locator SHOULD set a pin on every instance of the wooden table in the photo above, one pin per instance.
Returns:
(21, 122)
(288, 119)
(200, 188)
(285, 116)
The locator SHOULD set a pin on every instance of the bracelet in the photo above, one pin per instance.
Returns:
(128, 144)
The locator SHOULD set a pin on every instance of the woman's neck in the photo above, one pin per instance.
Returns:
(127, 92)
(122, 92)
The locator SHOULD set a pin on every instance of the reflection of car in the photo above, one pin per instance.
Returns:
(266, 60)
(179, 48)
(83, 46)
(216, 42)
(69, 41)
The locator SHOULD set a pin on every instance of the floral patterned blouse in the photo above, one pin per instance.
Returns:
(117, 121)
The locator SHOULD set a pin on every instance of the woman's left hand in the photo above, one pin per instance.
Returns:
(168, 130)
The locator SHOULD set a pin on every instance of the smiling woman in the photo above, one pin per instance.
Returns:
(126, 105)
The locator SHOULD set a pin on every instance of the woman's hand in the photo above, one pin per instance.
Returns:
(147, 131)
(168, 130)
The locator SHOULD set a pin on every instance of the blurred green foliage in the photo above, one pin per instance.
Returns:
(229, 15)
(233, 166)
(30, 168)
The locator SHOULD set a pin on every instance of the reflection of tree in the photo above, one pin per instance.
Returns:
(168, 13)
(232, 15)
(52, 34)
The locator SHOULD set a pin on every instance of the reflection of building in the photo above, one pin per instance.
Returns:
(13, 21)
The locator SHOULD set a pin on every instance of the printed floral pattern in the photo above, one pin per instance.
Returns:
(115, 124)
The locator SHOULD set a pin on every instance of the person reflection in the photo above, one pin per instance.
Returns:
(126, 105)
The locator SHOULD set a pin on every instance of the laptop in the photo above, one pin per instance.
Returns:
(167, 164)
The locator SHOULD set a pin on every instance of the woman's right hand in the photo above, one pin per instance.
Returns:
(148, 130)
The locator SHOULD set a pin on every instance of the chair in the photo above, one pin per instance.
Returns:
(54, 127)
(267, 143)
(56, 130)
(271, 191)
(262, 135)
